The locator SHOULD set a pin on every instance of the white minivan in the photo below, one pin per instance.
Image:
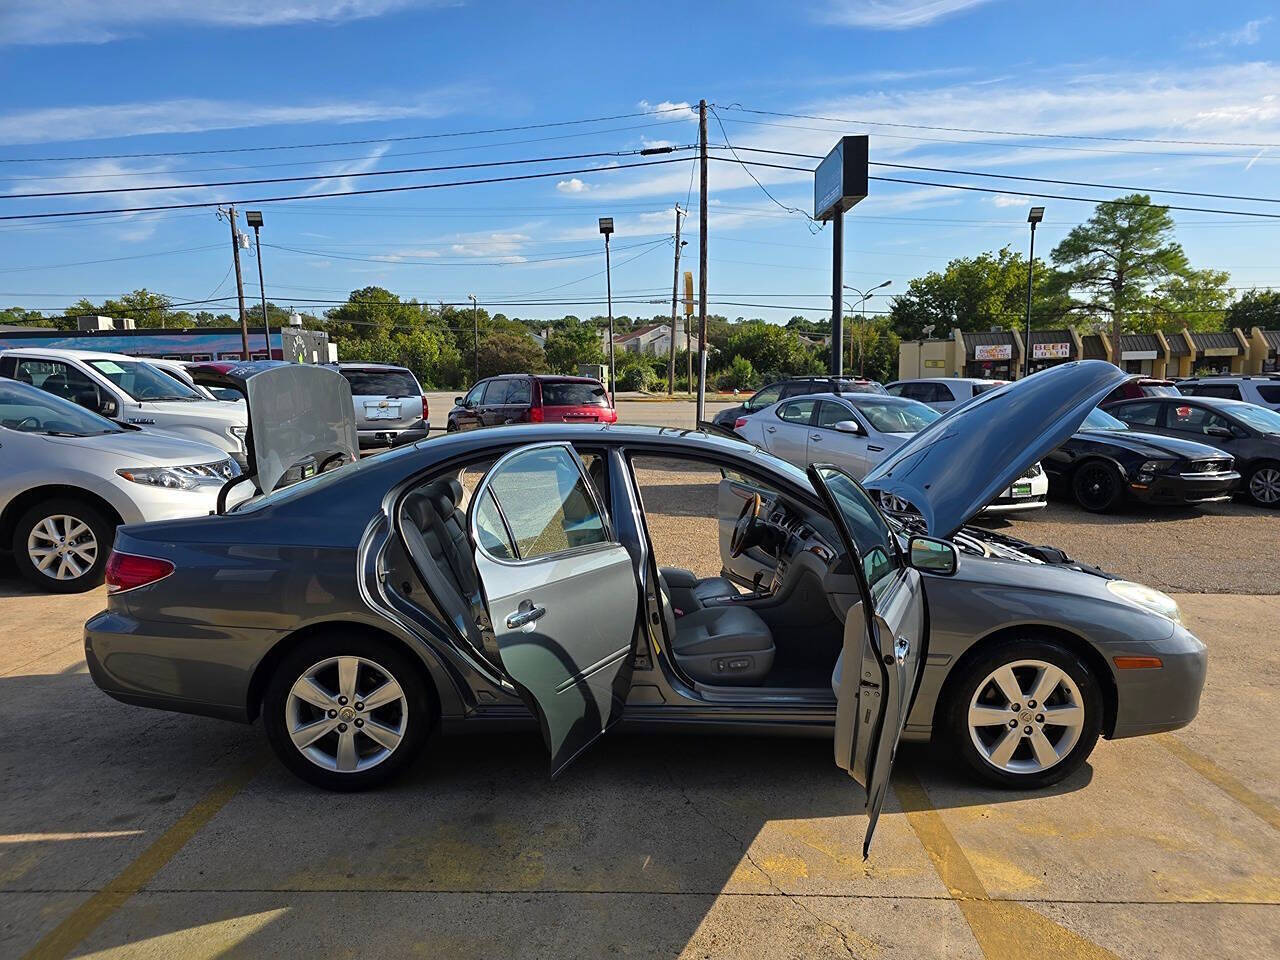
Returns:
(131, 390)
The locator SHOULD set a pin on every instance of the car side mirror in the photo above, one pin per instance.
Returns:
(457, 401)
(1216, 431)
(108, 407)
(848, 426)
(932, 556)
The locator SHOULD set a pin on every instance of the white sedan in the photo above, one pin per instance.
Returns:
(856, 431)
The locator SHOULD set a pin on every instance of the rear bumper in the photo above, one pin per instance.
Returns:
(1153, 700)
(392, 436)
(1185, 488)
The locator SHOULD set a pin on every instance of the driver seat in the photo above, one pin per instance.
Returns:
(723, 644)
(688, 593)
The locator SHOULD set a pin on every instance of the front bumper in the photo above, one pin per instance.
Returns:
(1016, 504)
(1185, 487)
(1152, 700)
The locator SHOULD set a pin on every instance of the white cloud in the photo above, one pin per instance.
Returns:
(101, 21)
(572, 185)
(669, 109)
(1001, 200)
(1245, 36)
(892, 14)
(503, 246)
(95, 121)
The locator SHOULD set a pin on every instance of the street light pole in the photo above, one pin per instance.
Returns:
(253, 218)
(862, 302)
(1034, 217)
(475, 341)
(606, 227)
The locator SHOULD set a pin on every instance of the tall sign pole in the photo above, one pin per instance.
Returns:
(606, 227)
(839, 182)
(702, 260)
(675, 296)
(253, 218)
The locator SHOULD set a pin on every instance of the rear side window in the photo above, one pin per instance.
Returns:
(1139, 414)
(979, 388)
(1269, 393)
(497, 391)
(381, 383)
(1227, 391)
(830, 413)
(798, 412)
(519, 391)
(491, 531)
(566, 393)
(546, 502)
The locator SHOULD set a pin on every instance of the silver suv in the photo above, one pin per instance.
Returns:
(390, 405)
(1260, 388)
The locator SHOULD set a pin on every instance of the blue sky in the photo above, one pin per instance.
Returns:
(87, 78)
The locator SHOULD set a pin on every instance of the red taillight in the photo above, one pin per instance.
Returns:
(535, 414)
(125, 571)
(739, 423)
(426, 408)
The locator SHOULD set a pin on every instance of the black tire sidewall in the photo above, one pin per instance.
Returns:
(103, 529)
(1115, 475)
(401, 664)
(962, 687)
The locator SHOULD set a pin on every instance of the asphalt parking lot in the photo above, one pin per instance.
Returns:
(126, 832)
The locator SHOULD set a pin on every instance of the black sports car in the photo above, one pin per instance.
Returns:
(1105, 462)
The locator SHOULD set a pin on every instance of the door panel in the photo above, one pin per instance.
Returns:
(787, 431)
(885, 642)
(561, 593)
(730, 498)
(828, 445)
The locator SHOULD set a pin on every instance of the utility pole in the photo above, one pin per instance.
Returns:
(230, 214)
(675, 293)
(606, 228)
(475, 341)
(702, 259)
(254, 219)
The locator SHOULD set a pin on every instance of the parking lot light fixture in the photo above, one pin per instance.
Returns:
(1034, 217)
(606, 228)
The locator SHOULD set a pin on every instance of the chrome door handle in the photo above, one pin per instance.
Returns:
(873, 448)
(525, 615)
(815, 436)
(772, 429)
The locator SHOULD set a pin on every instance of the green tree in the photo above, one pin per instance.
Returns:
(510, 353)
(571, 345)
(1199, 300)
(772, 350)
(146, 309)
(1256, 308)
(1123, 262)
(739, 375)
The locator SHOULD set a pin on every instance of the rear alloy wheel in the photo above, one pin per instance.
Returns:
(1097, 486)
(347, 714)
(62, 545)
(1263, 485)
(1026, 714)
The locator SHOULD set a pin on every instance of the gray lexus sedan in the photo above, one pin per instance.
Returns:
(508, 576)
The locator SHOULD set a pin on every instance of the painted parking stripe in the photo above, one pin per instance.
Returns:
(86, 918)
(1004, 929)
(1224, 781)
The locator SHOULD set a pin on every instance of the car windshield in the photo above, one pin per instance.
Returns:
(1098, 420)
(893, 415)
(141, 381)
(1160, 390)
(565, 393)
(29, 409)
(1260, 418)
(861, 386)
(381, 383)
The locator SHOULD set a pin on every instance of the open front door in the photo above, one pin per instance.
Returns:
(885, 641)
(561, 593)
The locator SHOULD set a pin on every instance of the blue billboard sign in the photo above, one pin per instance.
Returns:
(841, 179)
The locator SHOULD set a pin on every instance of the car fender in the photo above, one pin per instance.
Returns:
(27, 478)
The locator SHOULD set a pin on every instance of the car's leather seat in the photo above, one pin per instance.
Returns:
(436, 536)
(689, 593)
(721, 644)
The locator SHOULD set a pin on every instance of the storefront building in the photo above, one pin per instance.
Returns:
(1264, 351)
(1218, 353)
(990, 355)
(1052, 347)
(1140, 352)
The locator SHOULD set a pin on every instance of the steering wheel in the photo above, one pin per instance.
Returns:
(34, 421)
(744, 531)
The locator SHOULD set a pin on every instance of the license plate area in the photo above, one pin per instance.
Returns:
(1022, 489)
(377, 412)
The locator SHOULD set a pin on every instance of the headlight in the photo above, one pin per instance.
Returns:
(1155, 466)
(1146, 598)
(159, 477)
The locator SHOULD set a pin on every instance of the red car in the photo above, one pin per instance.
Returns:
(532, 398)
(1141, 388)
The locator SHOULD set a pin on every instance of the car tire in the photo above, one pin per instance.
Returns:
(76, 531)
(1262, 485)
(974, 699)
(312, 669)
(1097, 486)
(451, 427)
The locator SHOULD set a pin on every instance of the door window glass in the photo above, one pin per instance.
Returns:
(1227, 391)
(491, 531)
(60, 379)
(496, 392)
(830, 413)
(1189, 419)
(546, 501)
(1140, 414)
(871, 534)
(472, 398)
(765, 398)
(798, 412)
(519, 391)
(1269, 394)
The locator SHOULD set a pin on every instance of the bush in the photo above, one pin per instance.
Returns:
(636, 376)
(740, 375)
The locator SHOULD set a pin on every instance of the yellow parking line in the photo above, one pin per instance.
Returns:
(93, 912)
(1222, 780)
(1004, 929)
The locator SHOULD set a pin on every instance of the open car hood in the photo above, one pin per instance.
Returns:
(300, 415)
(958, 464)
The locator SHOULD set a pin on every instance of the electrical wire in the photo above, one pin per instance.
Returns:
(342, 143)
(763, 188)
(339, 193)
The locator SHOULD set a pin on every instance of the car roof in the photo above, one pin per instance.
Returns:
(858, 399)
(949, 380)
(1230, 378)
(357, 365)
(1189, 400)
(58, 353)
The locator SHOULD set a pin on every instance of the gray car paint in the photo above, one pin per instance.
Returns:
(324, 553)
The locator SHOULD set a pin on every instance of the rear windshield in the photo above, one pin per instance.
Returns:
(565, 393)
(984, 387)
(1159, 390)
(861, 386)
(381, 383)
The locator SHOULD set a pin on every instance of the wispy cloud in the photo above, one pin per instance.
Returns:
(1245, 36)
(98, 121)
(892, 14)
(102, 21)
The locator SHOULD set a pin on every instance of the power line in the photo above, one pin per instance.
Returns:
(762, 187)
(1003, 133)
(341, 193)
(339, 176)
(341, 143)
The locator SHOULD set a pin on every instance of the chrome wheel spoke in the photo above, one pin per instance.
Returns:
(1046, 755)
(1008, 684)
(70, 569)
(74, 528)
(1046, 683)
(46, 558)
(348, 669)
(1067, 715)
(305, 736)
(307, 689)
(49, 529)
(1004, 747)
(383, 736)
(389, 692)
(347, 758)
(989, 716)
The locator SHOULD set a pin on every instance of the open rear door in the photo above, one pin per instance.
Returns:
(561, 593)
(885, 641)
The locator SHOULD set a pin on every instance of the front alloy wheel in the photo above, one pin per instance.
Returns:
(1264, 485)
(1097, 487)
(347, 712)
(62, 545)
